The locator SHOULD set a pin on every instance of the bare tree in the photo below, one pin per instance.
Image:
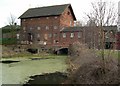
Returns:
(102, 14)
(12, 24)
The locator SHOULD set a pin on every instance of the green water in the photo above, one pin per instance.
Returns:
(19, 72)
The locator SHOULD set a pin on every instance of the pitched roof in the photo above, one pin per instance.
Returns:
(46, 11)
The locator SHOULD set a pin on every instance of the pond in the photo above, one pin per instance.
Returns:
(48, 78)
(20, 72)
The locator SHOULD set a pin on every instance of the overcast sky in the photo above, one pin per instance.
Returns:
(18, 7)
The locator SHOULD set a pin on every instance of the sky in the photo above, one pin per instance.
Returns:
(18, 7)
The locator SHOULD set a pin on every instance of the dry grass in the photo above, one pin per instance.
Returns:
(86, 67)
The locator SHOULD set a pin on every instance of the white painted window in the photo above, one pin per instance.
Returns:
(55, 27)
(47, 28)
(64, 35)
(70, 23)
(47, 17)
(31, 28)
(79, 35)
(55, 35)
(71, 35)
(50, 35)
(38, 28)
(55, 17)
(24, 28)
(38, 35)
(18, 36)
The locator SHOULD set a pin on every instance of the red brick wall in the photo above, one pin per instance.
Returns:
(118, 40)
(41, 22)
(66, 18)
(59, 21)
(68, 40)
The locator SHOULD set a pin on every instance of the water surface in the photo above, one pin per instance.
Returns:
(19, 72)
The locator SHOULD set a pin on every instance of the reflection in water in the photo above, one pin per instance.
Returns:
(48, 78)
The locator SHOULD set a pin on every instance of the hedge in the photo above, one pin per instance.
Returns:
(8, 41)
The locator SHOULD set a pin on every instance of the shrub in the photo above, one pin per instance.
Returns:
(87, 68)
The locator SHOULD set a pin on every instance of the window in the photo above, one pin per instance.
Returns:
(18, 36)
(47, 17)
(50, 35)
(55, 27)
(24, 20)
(71, 35)
(38, 35)
(24, 28)
(56, 41)
(70, 23)
(79, 36)
(55, 35)
(38, 28)
(31, 28)
(47, 28)
(55, 17)
(64, 35)
(31, 19)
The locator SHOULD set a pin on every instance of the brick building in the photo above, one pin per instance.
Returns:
(45, 26)
(53, 26)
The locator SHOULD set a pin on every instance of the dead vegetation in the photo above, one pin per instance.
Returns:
(86, 67)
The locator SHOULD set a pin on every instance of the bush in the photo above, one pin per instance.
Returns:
(8, 41)
(87, 68)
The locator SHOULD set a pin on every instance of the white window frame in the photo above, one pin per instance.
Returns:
(18, 36)
(31, 28)
(47, 27)
(50, 35)
(38, 35)
(64, 35)
(56, 17)
(24, 28)
(71, 35)
(70, 22)
(39, 28)
(79, 35)
(55, 27)
(47, 17)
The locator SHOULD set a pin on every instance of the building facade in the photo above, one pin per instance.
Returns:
(45, 26)
(53, 26)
